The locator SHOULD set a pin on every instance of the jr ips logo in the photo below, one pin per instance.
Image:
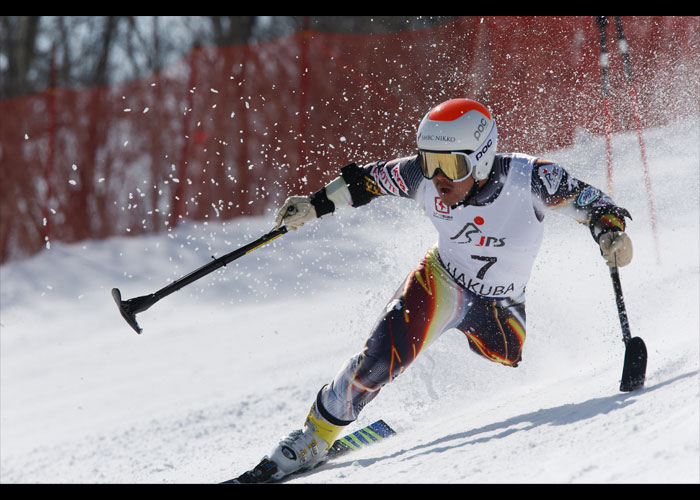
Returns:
(473, 228)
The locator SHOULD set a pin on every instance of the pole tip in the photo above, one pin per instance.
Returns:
(125, 310)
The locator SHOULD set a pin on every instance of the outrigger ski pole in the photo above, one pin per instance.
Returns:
(129, 308)
(635, 364)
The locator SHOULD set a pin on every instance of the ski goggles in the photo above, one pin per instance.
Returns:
(455, 165)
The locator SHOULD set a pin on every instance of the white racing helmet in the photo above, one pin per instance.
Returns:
(459, 138)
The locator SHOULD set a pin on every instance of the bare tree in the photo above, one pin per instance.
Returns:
(18, 48)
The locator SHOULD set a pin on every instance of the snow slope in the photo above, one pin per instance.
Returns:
(228, 365)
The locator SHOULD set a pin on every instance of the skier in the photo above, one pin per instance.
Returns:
(488, 210)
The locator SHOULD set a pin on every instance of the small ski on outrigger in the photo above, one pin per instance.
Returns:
(373, 433)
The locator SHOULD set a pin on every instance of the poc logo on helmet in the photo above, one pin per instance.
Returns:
(483, 151)
(480, 129)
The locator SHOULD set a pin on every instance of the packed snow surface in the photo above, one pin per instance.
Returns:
(230, 364)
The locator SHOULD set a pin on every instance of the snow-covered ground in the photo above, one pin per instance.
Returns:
(228, 365)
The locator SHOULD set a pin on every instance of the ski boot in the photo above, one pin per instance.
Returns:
(301, 450)
(304, 449)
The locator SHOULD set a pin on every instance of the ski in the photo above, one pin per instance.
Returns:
(373, 433)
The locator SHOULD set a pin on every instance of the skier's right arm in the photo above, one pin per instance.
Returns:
(355, 186)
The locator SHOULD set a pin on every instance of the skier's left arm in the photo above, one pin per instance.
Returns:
(554, 188)
(355, 186)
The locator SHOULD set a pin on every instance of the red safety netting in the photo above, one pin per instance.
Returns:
(231, 131)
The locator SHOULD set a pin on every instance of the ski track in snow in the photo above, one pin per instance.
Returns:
(231, 363)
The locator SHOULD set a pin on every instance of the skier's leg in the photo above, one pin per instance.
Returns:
(495, 329)
(427, 303)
